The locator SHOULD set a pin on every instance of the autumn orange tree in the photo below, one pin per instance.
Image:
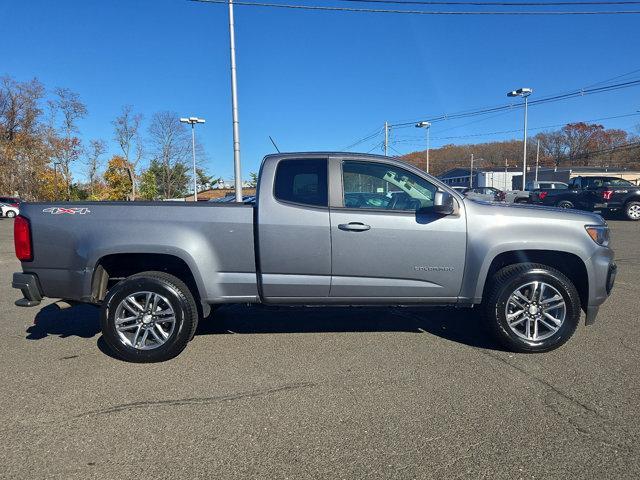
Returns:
(117, 180)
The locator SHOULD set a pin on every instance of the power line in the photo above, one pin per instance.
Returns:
(495, 4)
(551, 99)
(395, 150)
(505, 108)
(419, 12)
(377, 145)
(488, 134)
(362, 140)
(451, 116)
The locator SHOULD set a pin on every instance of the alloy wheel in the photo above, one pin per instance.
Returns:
(535, 311)
(144, 320)
(634, 211)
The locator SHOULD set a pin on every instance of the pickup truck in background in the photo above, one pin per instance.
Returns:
(489, 194)
(608, 194)
(326, 229)
(522, 196)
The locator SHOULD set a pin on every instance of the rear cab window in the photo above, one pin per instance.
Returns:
(302, 181)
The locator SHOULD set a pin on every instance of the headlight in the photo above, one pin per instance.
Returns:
(599, 234)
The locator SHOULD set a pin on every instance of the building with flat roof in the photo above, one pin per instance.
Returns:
(511, 178)
(499, 178)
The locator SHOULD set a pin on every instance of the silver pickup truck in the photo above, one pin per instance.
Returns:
(326, 229)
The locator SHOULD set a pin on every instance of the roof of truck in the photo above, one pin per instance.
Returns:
(302, 155)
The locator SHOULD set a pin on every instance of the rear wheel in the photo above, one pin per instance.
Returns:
(11, 214)
(149, 317)
(565, 204)
(532, 307)
(632, 211)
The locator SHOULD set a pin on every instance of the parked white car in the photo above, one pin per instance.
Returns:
(8, 210)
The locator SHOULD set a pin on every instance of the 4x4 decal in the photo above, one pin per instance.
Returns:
(66, 211)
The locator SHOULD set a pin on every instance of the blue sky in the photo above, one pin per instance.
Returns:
(316, 81)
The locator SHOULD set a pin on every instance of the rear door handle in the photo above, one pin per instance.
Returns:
(354, 227)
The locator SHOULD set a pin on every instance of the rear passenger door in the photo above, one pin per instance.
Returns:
(294, 239)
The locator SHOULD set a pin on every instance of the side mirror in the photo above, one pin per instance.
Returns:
(443, 203)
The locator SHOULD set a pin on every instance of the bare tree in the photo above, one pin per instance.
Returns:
(170, 143)
(67, 146)
(553, 146)
(23, 154)
(97, 148)
(126, 128)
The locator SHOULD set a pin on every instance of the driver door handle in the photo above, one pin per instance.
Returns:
(354, 227)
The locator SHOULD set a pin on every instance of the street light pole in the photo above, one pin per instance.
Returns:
(192, 121)
(426, 125)
(523, 92)
(234, 106)
(537, 159)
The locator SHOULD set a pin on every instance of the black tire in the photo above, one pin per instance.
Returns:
(505, 282)
(178, 296)
(565, 204)
(632, 211)
(11, 214)
(522, 200)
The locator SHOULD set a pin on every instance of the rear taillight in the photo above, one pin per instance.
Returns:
(607, 194)
(15, 205)
(541, 195)
(22, 239)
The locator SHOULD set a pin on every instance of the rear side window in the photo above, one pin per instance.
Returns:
(302, 181)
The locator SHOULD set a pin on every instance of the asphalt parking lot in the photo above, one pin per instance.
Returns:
(322, 393)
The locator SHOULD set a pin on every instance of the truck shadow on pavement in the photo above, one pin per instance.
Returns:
(460, 326)
(457, 325)
(79, 320)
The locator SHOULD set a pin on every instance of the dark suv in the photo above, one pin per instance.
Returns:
(607, 194)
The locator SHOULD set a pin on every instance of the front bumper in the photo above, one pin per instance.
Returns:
(603, 271)
(30, 288)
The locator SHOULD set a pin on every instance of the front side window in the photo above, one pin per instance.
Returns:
(386, 187)
(302, 181)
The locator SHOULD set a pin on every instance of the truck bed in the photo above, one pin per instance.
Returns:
(216, 240)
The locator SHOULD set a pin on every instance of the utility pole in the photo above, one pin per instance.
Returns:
(234, 107)
(506, 175)
(537, 159)
(386, 138)
(471, 173)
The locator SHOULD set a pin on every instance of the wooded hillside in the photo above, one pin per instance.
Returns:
(576, 144)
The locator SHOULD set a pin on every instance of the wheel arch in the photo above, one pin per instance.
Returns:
(114, 267)
(570, 264)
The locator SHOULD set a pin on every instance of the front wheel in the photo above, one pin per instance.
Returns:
(149, 317)
(632, 211)
(532, 307)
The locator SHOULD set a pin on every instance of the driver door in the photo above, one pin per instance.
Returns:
(387, 245)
